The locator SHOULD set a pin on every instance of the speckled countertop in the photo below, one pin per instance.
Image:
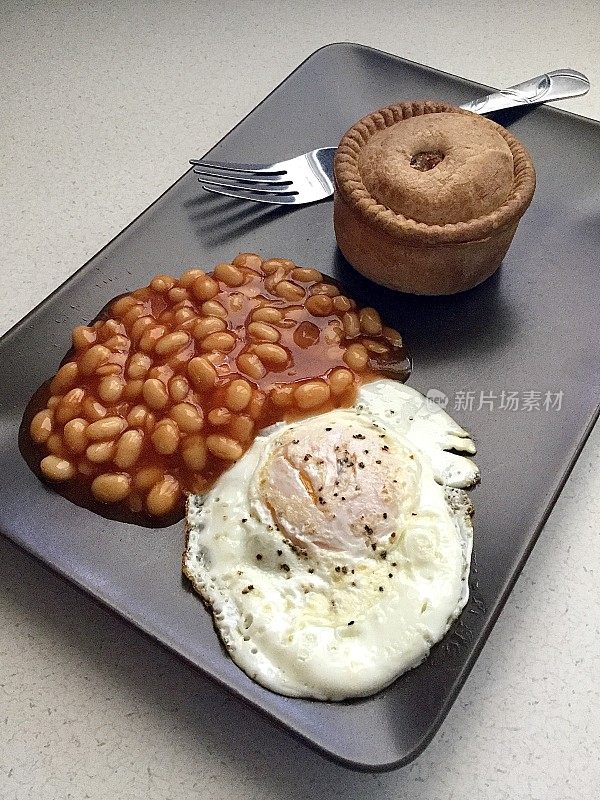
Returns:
(101, 104)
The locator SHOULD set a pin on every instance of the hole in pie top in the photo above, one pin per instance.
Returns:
(426, 160)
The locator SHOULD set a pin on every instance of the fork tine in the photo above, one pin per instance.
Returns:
(263, 169)
(254, 180)
(264, 196)
(252, 189)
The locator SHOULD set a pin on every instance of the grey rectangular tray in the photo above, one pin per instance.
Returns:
(532, 328)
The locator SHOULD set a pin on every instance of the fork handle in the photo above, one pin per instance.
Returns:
(556, 85)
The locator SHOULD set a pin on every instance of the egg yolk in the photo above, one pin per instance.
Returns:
(340, 487)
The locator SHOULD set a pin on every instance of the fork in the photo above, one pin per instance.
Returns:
(309, 177)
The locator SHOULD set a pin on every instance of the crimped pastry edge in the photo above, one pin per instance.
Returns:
(351, 188)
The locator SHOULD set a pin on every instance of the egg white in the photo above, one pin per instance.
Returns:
(346, 616)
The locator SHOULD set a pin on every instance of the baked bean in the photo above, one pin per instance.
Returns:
(183, 315)
(134, 313)
(106, 428)
(155, 394)
(100, 452)
(69, 407)
(340, 380)
(188, 417)
(163, 496)
(202, 372)
(41, 426)
(193, 452)
(255, 406)
(178, 294)
(229, 275)
(162, 283)
(133, 389)
(270, 266)
(267, 314)
(289, 291)
(190, 276)
(238, 394)
(111, 487)
(93, 410)
(178, 388)
(97, 355)
(311, 394)
(272, 280)
(306, 334)
(54, 401)
(273, 264)
(207, 325)
(392, 336)
(171, 343)
(282, 396)
(143, 293)
(137, 416)
(110, 388)
(138, 366)
(212, 308)
(83, 337)
(65, 378)
(129, 449)
(55, 444)
(188, 325)
(248, 260)
(263, 332)
(139, 326)
(111, 327)
(356, 356)
(108, 369)
(251, 365)
(219, 416)
(271, 354)
(370, 321)
(74, 397)
(375, 347)
(147, 477)
(222, 342)
(341, 303)
(74, 435)
(224, 447)
(306, 275)
(165, 437)
(122, 305)
(328, 289)
(57, 469)
(117, 343)
(351, 324)
(319, 305)
(205, 288)
(241, 428)
(150, 337)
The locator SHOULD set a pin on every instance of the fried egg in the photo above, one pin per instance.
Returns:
(336, 551)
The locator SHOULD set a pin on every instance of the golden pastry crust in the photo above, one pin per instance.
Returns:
(473, 175)
(437, 231)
